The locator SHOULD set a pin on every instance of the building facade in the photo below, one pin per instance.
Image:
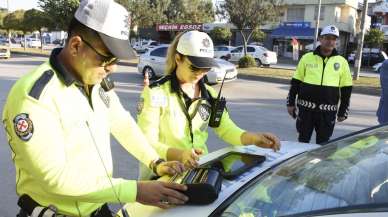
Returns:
(298, 20)
(379, 19)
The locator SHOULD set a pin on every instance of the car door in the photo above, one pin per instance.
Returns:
(253, 52)
(236, 54)
(157, 60)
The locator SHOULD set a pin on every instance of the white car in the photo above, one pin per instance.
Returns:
(153, 62)
(222, 51)
(5, 51)
(33, 42)
(347, 177)
(262, 55)
(144, 46)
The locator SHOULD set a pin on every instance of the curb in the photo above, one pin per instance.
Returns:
(356, 89)
(30, 54)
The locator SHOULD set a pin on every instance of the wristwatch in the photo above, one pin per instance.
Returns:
(154, 165)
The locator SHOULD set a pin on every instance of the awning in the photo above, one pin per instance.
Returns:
(289, 32)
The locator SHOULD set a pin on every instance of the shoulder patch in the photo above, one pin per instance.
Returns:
(23, 126)
(160, 81)
(40, 84)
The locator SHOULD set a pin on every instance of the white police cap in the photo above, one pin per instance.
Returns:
(330, 30)
(198, 47)
(111, 21)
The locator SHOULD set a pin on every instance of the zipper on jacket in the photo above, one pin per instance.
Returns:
(323, 70)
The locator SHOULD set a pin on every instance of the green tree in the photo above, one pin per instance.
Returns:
(258, 35)
(220, 35)
(14, 21)
(147, 13)
(374, 38)
(190, 11)
(249, 15)
(60, 12)
(35, 20)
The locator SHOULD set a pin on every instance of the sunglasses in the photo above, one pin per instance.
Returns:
(105, 60)
(197, 70)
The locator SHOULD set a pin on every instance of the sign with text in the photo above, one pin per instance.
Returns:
(296, 24)
(179, 27)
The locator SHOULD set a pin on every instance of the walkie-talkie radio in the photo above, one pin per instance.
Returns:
(218, 107)
(107, 84)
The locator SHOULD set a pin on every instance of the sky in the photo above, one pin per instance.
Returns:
(19, 4)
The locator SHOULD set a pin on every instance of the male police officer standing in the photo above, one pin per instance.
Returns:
(58, 120)
(321, 79)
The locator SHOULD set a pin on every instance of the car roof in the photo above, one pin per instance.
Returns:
(288, 150)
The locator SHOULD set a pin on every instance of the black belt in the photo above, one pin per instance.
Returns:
(31, 207)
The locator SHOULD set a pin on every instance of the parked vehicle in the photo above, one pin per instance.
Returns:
(369, 57)
(143, 46)
(261, 54)
(221, 51)
(153, 62)
(347, 177)
(32, 42)
(4, 51)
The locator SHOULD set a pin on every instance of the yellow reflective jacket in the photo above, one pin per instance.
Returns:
(57, 133)
(167, 122)
(322, 81)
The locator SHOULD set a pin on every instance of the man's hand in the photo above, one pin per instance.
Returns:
(160, 194)
(264, 140)
(170, 168)
(190, 157)
(291, 111)
(340, 119)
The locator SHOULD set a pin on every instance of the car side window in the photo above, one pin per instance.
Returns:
(251, 49)
(159, 52)
(237, 50)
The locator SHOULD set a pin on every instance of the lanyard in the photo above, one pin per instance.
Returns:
(186, 112)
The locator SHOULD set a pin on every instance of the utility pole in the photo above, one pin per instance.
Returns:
(357, 62)
(317, 24)
(9, 31)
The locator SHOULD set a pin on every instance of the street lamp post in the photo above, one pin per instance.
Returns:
(317, 24)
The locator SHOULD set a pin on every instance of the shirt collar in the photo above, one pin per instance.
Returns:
(66, 76)
(175, 87)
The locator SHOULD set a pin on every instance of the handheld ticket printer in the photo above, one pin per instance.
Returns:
(204, 183)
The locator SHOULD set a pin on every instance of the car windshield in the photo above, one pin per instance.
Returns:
(348, 174)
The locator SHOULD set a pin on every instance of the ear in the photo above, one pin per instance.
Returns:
(178, 58)
(74, 45)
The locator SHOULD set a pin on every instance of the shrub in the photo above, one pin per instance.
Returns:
(247, 61)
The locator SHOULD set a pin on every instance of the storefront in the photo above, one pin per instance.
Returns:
(282, 37)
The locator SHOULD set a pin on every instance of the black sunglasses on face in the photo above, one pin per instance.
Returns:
(105, 60)
(197, 70)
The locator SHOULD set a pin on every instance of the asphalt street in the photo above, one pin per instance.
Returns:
(253, 105)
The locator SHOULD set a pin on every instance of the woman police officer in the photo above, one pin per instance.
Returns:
(174, 111)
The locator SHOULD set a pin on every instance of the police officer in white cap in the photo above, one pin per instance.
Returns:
(59, 118)
(321, 89)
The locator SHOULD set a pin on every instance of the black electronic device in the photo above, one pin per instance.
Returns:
(203, 184)
(107, 84)
(233, 164)
(218, 107)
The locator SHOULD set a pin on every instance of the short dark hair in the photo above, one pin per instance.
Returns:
(77, 28)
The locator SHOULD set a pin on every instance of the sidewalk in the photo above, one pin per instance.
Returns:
(288, 63)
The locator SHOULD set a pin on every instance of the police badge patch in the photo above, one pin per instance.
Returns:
(140, 105)
(336, 66)
(204, 111)
(104, 97)
(23, 126)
